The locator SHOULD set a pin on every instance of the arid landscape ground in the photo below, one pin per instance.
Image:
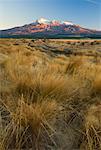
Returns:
(50, 94)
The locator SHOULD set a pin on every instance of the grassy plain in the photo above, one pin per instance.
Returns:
(50, 94)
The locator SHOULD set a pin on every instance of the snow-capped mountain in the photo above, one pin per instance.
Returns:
(46, 21)
(42, 21)
(44, 28)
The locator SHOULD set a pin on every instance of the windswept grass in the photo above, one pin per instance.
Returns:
(49, 102)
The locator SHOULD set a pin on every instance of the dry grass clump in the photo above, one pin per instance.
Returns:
(29, 125)
(74, 64)
(97, 83)
(92, 136)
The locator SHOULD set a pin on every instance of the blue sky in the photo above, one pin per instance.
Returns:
(86, 13)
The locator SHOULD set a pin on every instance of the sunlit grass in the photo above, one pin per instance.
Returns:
(49, 102)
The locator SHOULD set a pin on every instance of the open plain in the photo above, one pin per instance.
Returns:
(50, 94)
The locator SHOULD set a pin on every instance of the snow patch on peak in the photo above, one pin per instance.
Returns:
(52, 22)
(67, 23)
(42, 21)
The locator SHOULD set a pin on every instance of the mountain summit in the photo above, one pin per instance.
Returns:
(42, 21)
(46, 21)
(44, 28)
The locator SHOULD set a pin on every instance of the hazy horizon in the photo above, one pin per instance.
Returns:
(86, 13)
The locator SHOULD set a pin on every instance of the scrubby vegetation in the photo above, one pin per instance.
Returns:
(49, 100)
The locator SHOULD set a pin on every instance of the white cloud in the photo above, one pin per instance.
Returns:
(94, 2)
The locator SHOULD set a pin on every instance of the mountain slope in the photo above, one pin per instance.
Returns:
(46, 28)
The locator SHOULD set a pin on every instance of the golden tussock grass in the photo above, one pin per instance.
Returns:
(29, 123)
(47, 104)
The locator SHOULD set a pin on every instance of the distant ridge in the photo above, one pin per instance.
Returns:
(44, 28)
